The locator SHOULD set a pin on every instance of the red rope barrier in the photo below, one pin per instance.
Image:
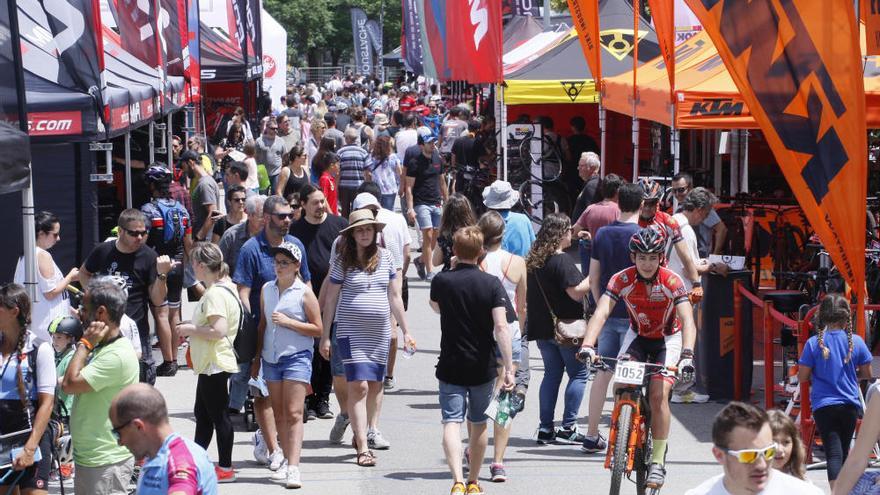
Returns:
(781, 318)
(754, 299)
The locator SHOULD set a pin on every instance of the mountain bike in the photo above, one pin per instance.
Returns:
(630, 440)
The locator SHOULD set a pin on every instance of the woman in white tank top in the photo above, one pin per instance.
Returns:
(510, 269)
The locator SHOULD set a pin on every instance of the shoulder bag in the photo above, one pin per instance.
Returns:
(566, 332)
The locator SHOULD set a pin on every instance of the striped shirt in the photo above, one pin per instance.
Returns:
(352, 162)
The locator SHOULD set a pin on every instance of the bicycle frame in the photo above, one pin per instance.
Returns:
(633, 396)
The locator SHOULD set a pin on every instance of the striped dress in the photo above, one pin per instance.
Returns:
(363, 318)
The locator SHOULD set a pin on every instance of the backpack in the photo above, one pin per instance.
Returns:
(175, 222)
(245, 344)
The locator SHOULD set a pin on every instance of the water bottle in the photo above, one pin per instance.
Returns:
(503, 415)
(408, 351)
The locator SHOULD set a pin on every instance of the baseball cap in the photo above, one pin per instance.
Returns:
(426, 137)
(364, 200)
(288, 249)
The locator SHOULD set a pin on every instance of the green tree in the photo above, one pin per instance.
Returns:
(316, 26)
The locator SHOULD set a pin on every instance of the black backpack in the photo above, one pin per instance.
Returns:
(245, 344)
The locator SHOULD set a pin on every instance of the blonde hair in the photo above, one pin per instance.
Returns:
(210, 255)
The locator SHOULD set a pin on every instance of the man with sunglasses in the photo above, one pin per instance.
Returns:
(271, 150)
(145, 273)
(712, 232)
(743, 445)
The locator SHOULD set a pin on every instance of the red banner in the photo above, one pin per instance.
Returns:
(663, 14)
(797, 64)
(474, 43)
(585, 16)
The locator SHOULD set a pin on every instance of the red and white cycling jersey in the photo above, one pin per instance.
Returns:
(651, 305)
(668, 226)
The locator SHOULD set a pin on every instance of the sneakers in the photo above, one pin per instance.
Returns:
(280, 474)
(224, 475)
(376, 441)
(389, 383)
(338, 430)
(322, 409)
(293, 479)
(474, 488)
(429, 277)
(458, 489)
(546, 436)
(594, 445)
(689, 397)
(499, 475)
(66, 471)
(569, 435)
(311, 413)
(167, 368)
(420, 268)
(656, 476)
(261, 451)
(276, 459)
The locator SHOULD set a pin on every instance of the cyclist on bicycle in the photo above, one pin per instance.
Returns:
(650, 214)
(662, 330)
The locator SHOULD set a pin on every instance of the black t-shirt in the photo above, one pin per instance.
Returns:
(294, 183)
(139, 271)
(426, 171)
(464, 149)
(318, 239)
(466, 297)
(558, 273)
(589, 195)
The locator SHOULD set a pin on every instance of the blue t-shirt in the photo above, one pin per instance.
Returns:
(179, 465)
(256, 266)
(611, 250)
(833, 381)
(518, 233)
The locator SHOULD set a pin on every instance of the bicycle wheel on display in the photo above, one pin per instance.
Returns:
(549, 161)
(618, 462)
(551, 200)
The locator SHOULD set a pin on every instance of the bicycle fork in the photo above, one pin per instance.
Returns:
(636, 432)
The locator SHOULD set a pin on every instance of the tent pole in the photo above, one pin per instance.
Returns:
(504, 134)
(635, 140)
(168, 142)
(30, 239)
(128, 169)
(152, 144)
(744, 171)
(602, 124)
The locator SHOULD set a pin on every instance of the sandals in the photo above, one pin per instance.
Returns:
(366, 459)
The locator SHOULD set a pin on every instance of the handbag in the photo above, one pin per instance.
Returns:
(245, 344)
(566, 332)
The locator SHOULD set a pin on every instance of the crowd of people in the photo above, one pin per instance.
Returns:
(294, 243)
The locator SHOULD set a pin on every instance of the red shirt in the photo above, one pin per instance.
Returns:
(598, 215)
(651, 305)
(669, 226)
(328, 186)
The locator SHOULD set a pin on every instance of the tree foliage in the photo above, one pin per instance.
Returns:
(316, 26)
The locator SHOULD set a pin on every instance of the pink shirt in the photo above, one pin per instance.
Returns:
(598, 215)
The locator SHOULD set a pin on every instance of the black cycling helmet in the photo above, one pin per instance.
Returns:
(652, 190)
(648, 240)
(67, 325)
(157, 174)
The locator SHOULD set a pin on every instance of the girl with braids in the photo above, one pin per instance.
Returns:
(27, 392)
(555, 286)
(834, 360)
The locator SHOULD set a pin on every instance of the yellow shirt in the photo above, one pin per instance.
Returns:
(213, 356)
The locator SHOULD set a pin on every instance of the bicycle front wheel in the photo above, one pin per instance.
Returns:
(621, 440)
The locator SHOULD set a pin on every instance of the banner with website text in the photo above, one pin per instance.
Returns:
(798, 66)
(663, 15)
(585, 17)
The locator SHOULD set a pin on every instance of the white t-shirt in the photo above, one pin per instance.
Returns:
(395, 235)
(130, 331)
(690, 238)
(780, 484)
(44, 310)
(404, 139)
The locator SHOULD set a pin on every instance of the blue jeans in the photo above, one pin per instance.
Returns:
(585, 249)
(611, 338)
(558, 359)
(238, 386)
(387, 201)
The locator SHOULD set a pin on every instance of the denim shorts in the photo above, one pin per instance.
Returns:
(428, 216)
(294, 367)
(336, 366)
(611, 337)
(515, 342)
(456, 401)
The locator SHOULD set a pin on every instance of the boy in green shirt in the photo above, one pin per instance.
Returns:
(66, 332)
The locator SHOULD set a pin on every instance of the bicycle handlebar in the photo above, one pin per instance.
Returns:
(602, 365)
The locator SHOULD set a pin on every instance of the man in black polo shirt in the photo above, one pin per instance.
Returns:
(473, 309)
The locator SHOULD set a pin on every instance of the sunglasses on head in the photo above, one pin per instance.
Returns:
(136, 233)
(749, 456)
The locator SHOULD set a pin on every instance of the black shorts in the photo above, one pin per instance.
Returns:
(665, 350)
(175, 286)
(37, 475)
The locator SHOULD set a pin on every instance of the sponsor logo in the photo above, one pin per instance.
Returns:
(208, 74)
(480, 21)
(643, 319)
(268, 65)
(717, 107)
(54, 123)
(619, 42)
(573, 88)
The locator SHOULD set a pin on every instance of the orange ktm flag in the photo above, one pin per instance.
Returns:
(585, 16)
(663, 14)
(797, 64)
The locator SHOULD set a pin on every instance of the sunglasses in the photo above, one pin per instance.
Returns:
(295, 206)
(136, 233)
(283, 263)
(238, 200)
(116, 431)
(679, 190)
(282, 216)
(749, 456)
(272, 128)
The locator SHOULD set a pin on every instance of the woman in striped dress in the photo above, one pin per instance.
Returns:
(363, 293)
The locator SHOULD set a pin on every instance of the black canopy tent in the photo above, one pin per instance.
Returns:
(519, 29)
